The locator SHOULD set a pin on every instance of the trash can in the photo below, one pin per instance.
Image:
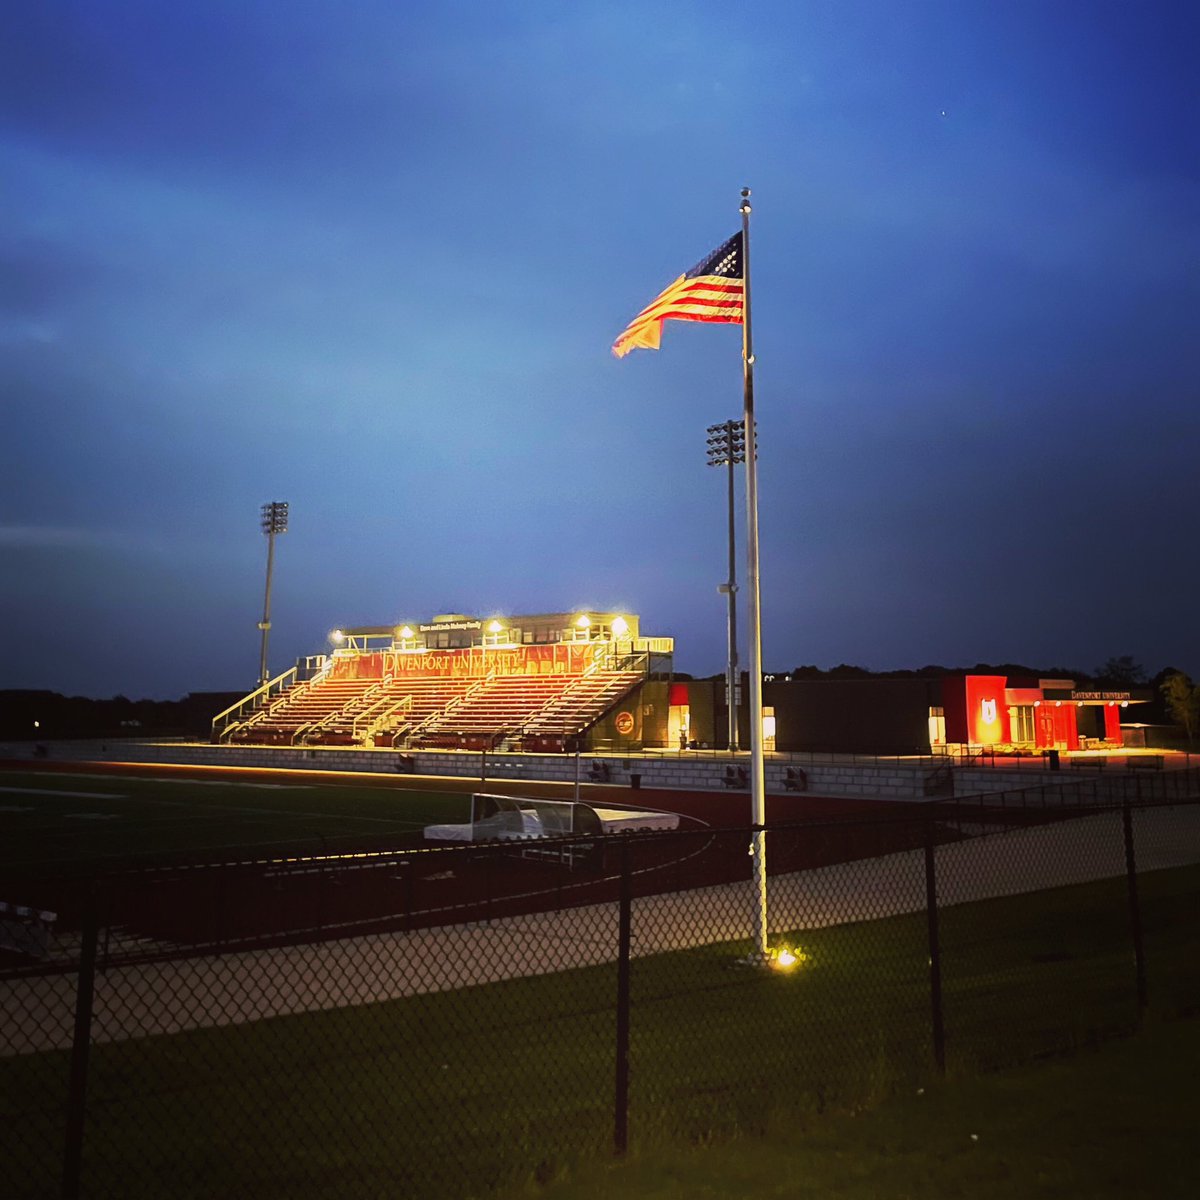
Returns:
(1052, 755)
(635, 781)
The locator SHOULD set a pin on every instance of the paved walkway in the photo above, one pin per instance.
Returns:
(167, 997)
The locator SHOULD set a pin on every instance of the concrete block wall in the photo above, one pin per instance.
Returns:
(897, 781)
(975, 781)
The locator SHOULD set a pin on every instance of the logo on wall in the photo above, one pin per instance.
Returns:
(988, 711)
(624, 723)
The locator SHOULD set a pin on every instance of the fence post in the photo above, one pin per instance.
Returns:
(621, 1104)
(410, 867)
(935, 951)
(80, 1046)
(1135, 911)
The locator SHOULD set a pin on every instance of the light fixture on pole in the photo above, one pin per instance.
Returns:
(274, 520)
(726, 448)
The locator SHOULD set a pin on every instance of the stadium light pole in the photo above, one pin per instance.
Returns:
(726, 448)
(274, 521)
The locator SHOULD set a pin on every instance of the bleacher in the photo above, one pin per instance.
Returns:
(396, 706)
(445, 698)
(583, 702)
(286, 719)
(498, 707)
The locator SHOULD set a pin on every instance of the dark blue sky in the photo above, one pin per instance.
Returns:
(370, 259)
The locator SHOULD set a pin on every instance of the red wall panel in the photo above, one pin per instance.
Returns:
(987, 712)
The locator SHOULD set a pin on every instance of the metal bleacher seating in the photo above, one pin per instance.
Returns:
(285, 719)
(498, 706)
(583, 702)
(411, 710)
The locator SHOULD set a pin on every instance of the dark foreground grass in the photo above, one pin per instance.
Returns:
(1118, 1121)
(463, 1092)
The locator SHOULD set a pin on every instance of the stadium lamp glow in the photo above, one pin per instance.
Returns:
(406, 632)
(495, 627)
(584, 621)
(337, 636)
(620, 626)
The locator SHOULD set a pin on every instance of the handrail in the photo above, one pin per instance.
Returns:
(262, 690)
(583, 717)
(446, 709)
(567, 694)
(301, 732)
(534, 718)
(347, 710)
(304, 731)
(389, 707)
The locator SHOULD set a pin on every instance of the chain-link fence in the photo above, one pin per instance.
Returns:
(444, 1022)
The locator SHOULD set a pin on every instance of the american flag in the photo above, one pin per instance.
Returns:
(713, 290)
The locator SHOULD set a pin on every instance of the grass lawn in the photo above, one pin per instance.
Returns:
(462, 1092)
(70, 820)
(1118, 1121)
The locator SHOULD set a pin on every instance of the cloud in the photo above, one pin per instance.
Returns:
(15, 332)
(49, 537)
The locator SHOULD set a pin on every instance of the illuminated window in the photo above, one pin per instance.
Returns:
(937, 726)
(1020, 718)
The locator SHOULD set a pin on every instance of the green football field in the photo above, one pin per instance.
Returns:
(70, 820)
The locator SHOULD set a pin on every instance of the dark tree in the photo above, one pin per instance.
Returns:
(1121, 672)
(1183, 702)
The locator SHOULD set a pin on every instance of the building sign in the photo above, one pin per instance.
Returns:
(624, 723)
(440, 626)
(1077, 696)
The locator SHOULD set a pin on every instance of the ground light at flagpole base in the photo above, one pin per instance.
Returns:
(781, 959)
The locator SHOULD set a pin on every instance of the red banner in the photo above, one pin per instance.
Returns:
(570, 658)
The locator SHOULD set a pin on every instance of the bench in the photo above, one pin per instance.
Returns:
(1144, 762)
(795, 780)
(25, 930)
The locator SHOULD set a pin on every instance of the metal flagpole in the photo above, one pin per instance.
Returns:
(732, 593)
(758, 811)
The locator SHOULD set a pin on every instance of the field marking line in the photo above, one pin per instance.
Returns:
(223, 808)
(230, 809)
(74, 795)
(157, 779)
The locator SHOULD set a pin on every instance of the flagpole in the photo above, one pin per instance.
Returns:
(758, 812)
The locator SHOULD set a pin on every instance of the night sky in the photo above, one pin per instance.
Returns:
(370, 258)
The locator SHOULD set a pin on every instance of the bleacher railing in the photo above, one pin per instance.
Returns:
(432, 722)
(255, 703)
(379, 716)
(336, 716)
